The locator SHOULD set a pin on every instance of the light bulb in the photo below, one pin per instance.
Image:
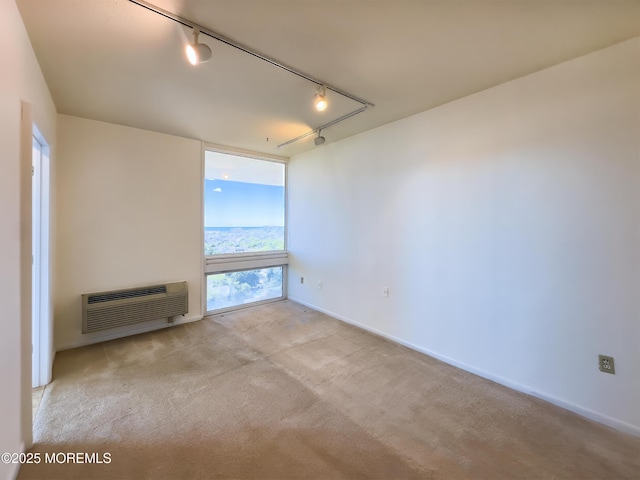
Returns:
(192, 55)
(320, 102)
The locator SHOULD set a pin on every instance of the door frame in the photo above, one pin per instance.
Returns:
(42, 335)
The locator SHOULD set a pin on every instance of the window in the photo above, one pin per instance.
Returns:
(244, 230)
(244, 202)
(226, 290)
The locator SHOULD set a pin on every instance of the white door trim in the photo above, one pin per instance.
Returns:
(42, 334)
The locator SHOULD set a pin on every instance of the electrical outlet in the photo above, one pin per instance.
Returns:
(301, 279)
(606, 364)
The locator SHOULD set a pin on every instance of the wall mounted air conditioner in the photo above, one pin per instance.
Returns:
(116, 308)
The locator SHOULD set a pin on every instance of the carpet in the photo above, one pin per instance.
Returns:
(280, 391)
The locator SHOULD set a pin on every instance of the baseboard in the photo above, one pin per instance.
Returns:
(580, 410)
(133, 331)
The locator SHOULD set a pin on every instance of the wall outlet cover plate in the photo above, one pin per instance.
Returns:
(606, 364)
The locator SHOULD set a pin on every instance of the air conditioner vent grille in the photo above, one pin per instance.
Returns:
(140, 292)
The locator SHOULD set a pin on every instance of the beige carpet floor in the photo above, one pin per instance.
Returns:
(282, 392)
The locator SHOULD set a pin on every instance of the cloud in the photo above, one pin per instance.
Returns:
(217, 189)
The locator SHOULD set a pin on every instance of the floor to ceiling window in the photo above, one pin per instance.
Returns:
(244, 230)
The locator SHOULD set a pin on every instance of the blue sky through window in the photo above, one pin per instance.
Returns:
(240, 204)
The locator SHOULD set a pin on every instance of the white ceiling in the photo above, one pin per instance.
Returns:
(114, 61)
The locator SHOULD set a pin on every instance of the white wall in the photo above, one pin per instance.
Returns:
(129, 213)
(506, 226)
(21, 80)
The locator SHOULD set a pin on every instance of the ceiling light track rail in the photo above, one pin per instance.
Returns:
(245, 49)
(322, 127)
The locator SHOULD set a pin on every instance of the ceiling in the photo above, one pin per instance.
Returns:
(115, 61)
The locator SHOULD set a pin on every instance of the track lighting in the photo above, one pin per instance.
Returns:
(200, 52)
(320, 99)
(197, 52)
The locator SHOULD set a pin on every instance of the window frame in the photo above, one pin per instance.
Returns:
(239, 262)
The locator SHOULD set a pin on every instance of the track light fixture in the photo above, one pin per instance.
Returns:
(320, 99)
(197, 52)
(200, 52)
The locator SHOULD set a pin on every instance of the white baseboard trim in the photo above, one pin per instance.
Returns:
(133, 331)
(580, 410)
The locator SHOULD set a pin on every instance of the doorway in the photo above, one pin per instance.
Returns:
(41, 335)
